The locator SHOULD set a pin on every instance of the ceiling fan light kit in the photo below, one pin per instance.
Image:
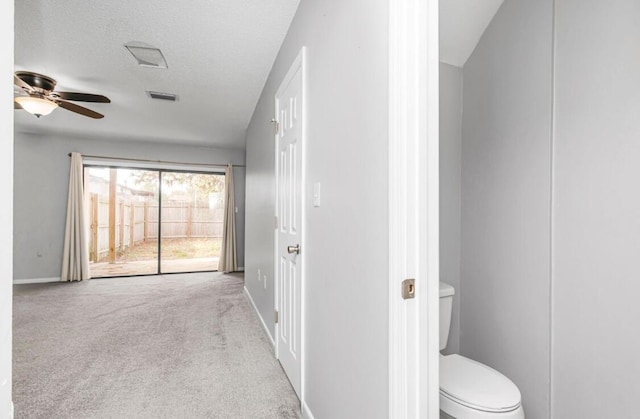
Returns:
(36, 106)
(41, 98)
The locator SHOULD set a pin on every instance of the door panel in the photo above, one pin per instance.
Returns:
(289, 209)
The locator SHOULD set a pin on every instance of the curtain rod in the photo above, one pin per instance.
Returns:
(160, 161)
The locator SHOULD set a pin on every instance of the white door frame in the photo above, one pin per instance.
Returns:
(298, 64)
(413, 208)
(6, 212)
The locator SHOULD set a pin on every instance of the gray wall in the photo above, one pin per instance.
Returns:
(42, 181)
(450, 173)
(596, 210)
(505, 225)
(347, 248)
(573, 315)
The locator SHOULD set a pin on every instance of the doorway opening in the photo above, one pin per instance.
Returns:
(153, 221)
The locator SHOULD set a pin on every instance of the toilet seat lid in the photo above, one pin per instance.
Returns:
(476, 385)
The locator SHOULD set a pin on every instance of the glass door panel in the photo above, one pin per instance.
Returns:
(122, 210)
(192, 217)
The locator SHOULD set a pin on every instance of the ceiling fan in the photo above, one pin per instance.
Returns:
(38, 97)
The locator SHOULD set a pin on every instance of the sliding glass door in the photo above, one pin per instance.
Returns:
(122, 210)
(152, 221)
(192, 216)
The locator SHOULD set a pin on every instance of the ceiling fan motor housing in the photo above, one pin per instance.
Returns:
(37, 80)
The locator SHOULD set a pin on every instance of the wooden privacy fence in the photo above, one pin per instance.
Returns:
(136, 221)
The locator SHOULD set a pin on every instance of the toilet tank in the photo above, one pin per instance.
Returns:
(446, 305)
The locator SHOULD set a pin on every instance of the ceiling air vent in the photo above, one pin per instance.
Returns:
(162, 96)
(146, 55)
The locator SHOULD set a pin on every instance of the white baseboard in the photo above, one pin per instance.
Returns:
(264, 325)
(35, 280)
(306, 412)
(240, 269)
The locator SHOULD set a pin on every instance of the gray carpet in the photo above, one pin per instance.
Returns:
(174, 346)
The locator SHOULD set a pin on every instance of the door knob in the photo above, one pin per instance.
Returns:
(294, 249)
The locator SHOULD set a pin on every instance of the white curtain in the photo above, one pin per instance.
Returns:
(228, 260)
(75, 259)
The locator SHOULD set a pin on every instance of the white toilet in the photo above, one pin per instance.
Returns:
(469, 389)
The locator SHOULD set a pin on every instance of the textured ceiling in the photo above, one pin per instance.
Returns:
(462, 23)
(219, 54)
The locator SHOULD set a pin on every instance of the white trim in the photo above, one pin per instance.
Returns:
(264, 325)
(299, 63)
(7, 251)
(429, 210)
(276, 288)
(240, 269)
(413, 208)
(306, 412)
(303, 216)
(12, 411)
(35, 280)
(552, 201)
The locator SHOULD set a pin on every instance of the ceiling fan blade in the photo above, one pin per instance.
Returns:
(21, 83)
(79, 109)
(81, 97)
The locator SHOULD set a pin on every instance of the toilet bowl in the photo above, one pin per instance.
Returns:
(469, 389)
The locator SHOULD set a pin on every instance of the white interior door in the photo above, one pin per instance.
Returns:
(289, 114)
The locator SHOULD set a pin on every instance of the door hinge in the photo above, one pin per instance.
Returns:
(277, 316)
(277, 125)
(409, 289)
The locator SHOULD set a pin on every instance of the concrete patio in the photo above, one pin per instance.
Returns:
(146, 267)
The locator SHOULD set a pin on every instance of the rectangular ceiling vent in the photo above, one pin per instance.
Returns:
(162, 96)
(146, 55)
